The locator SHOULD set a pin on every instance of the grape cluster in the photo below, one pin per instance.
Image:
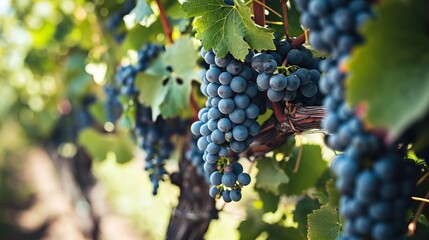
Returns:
(112, 105)
(116, 19)
(373, 178)
(297, 81)
(375, 200)
(335, 24)
(228, 123)
(195, 155)
(154, 137)
(126, 75)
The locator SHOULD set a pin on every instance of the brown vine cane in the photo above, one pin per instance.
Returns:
(299, 119)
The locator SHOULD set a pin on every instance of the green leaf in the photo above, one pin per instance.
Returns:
(304, 207)
(174, 9)
(270, 175)
(277, 231)
(322, 197)
(152, 92)
(227, 28)
(334, 195)
(253, 226)
(97, 110)
(99, 145)
(286, 148)
(141, 14)
(269, 200)
(167, 92)
(139, 35)
(390, 74)
(326, 192)
(323, 224)
(311, 168)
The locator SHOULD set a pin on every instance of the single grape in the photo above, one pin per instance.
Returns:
(222, 62)
(294, 57)
(269, 66)
(275, 96)
(309, 90)
(237, 116)
(240, 133)
(238, 84)
(225, 78)
(213, 191)
(229, 179)
(252, 111)
(216, 178)
(263, 81)
(226, 106)
(224, 91)
(234, 67)
(225, 196)
(243, 179)
(293, 82)
(235, 195)
(224, 124)
(278, 82)
(212, 75)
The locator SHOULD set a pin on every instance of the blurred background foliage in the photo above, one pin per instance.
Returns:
(54, 58)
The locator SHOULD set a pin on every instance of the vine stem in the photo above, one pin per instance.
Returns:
(269, 9)
(298, 41)
(298, 158)
(165, 24)
(422, 179)
(278, 110)
(285, 21)
(194, 106)
(259, 12)
(412, 226)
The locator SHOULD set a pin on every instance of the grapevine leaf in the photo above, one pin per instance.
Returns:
(304, 207)
(98, 111)
(322, 197)
(269, 200)
(277, 231)
(152, 92)
(253, 226)
(389, 74)
(323, 224)
(328, 194)
(139, 35)
(270, 175)
(227, 28)
(166, 85)
(177, 95)
(141, 14)
(422, 229)
(311, 168)
(118, 143)
(333, 194)
(174, 9)
(286, 148)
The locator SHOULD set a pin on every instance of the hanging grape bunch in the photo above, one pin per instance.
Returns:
(373, 178)
(228, 123)
(288, 74)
